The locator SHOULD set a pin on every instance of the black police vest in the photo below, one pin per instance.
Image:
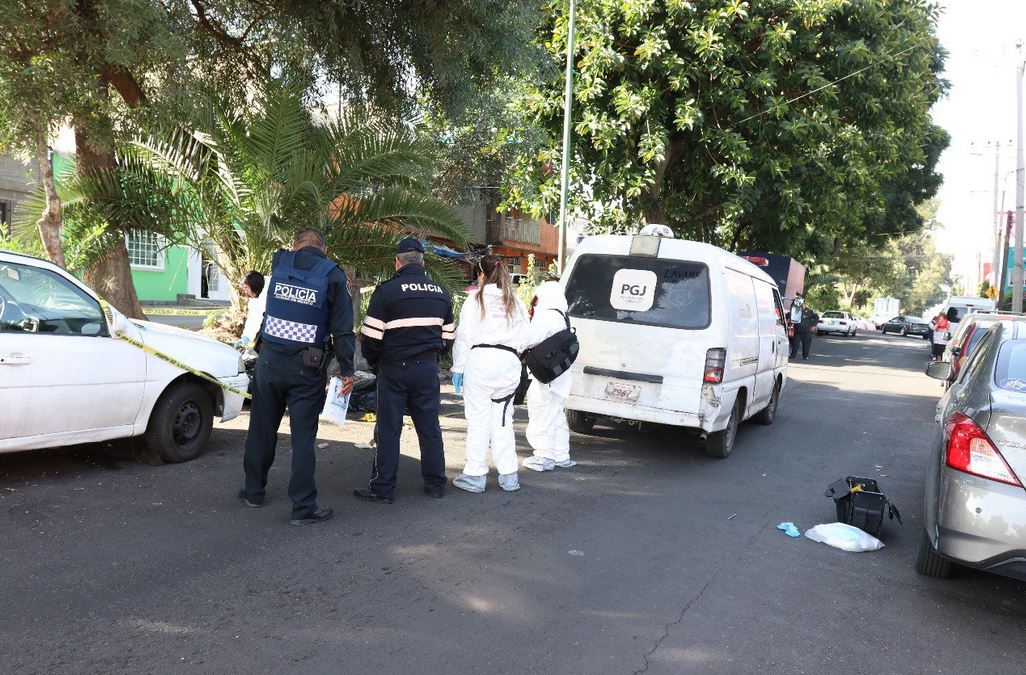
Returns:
(297, 307)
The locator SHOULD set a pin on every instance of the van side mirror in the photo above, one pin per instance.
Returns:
(940, 370)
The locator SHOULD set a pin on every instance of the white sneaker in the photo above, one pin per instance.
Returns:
(565, 464)
(539, 464)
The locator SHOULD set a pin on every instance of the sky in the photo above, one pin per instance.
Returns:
(979, 112)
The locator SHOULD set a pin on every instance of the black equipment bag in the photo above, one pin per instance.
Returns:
(554, 355)
(859, 502)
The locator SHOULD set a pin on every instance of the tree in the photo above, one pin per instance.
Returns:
(108, 66)
(782, 125)
(247, 179)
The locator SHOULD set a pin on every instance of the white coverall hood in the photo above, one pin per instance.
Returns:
(550, 296)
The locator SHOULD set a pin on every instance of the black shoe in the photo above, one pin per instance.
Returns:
(251, 502)
(369, 495)
(318, 516)
(434, 493)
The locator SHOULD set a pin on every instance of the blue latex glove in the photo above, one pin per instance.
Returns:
(789, 529)
(457, 382)
(241, 342)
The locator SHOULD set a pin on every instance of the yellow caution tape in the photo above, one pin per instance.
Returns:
(170, 359)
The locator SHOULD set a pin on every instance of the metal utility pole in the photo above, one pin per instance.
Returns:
(996, 227)
(1020, 191)
(568, 100)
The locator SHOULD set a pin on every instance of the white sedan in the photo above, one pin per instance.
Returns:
(65, 377)
(836, 321)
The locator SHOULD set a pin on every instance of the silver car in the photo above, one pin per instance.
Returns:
(975, 501)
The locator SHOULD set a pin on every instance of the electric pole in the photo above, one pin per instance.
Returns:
(568, 101)
(1020, 190)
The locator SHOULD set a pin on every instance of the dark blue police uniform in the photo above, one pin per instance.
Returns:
(409, 323)
(307, 301)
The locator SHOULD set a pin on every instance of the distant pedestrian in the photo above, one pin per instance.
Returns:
(803, 332)
(252, 288)
(940, 329)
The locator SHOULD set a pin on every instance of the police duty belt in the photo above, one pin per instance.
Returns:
(170, 359)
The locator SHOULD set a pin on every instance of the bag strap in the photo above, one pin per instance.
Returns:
(562, 314)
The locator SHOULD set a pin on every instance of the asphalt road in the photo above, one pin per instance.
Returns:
(647, 557)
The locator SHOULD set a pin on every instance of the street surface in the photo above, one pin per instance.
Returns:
(631, 562)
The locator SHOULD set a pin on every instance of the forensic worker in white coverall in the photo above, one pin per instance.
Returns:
(547, 430)
(486, 368)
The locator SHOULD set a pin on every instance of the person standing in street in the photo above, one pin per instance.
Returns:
(308, 307)
(409, 323)
(940, 329)
(486, 367)
(803, 332)
(252, 287)
(547, 429)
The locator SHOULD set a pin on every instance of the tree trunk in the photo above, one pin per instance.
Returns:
(50, 223)
(111, 277)
(653, 205)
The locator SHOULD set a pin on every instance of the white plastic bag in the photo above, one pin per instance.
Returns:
(335, 407)
(844, 537)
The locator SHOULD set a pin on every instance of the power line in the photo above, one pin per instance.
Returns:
(829, 84)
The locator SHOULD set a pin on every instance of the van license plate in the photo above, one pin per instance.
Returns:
(619, 391)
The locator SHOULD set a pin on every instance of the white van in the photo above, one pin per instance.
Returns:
(673, 332)
(965, 305)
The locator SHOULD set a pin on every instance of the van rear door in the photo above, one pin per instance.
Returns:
(641, 323)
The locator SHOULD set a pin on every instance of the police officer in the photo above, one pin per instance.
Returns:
(408, 324)
(308, 301)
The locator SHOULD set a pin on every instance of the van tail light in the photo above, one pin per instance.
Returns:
(970, 450)
(715, 359)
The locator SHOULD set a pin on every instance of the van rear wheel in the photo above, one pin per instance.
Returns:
(721, 443)
(579, 422)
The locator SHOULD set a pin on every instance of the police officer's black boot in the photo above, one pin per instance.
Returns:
(368, 495)
(318, 516)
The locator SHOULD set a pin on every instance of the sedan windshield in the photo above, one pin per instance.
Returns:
(833, 315)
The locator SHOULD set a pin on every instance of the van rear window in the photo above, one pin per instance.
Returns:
(646, 291)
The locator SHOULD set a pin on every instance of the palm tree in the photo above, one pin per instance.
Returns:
(246, 180)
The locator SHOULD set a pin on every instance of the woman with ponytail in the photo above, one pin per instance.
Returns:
(486, 368)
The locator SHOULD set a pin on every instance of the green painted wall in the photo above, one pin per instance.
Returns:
(164, 286)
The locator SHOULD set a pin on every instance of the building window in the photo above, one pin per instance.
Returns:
(513, 264)
(145, 249)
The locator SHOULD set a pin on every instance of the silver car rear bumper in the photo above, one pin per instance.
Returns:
(980, 523)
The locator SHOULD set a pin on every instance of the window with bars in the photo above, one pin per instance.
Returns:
(145, 249)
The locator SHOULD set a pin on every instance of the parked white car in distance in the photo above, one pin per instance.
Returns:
(65, 378)
(836, 321)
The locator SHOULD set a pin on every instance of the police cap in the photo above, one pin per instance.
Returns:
(409, 244)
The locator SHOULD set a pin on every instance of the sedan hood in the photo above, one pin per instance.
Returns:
(196, 351)
(1007, 429)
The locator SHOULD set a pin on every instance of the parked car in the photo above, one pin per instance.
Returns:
(68, 379)
(836, 321)
(907, 325)
(957, 307)
(975, 512)
(674, 332)
(967, 336)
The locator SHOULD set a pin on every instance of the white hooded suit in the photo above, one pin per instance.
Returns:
(547, 430)
(489, 374)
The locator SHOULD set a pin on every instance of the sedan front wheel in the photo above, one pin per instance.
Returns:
(180, 423)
